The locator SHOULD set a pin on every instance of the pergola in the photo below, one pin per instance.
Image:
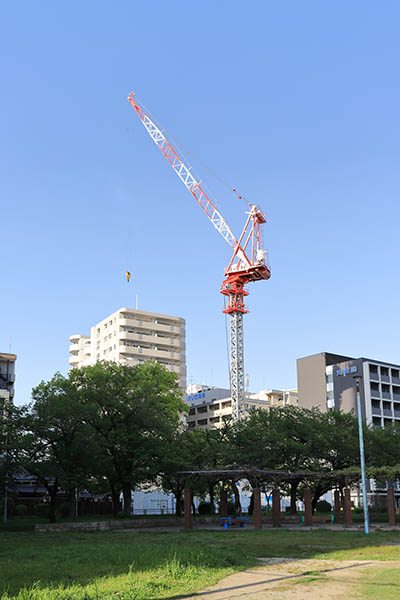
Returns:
(257, 477)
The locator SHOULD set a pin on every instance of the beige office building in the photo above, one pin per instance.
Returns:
(131, 337)
(210, 407)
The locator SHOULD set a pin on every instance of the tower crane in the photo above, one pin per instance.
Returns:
(247, 263)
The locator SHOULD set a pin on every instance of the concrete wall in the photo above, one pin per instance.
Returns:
(311, 378)
(311, 381)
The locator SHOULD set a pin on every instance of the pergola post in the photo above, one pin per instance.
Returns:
(257, 508)
(308, 520)
(187, 503)
(223, 504)
(337, 505)
(390, 505)
(276, 508)
(348, 519)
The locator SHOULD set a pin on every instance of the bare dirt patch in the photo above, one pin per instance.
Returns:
(296, 579)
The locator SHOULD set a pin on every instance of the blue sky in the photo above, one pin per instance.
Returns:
(294, 103)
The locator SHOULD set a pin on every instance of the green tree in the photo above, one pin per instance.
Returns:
(337, 446)
(56, 440)
(11, 429)
(296, 439)
(133, 413)
(382, 445)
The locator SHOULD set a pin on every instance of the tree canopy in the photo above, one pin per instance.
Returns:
(110, 428)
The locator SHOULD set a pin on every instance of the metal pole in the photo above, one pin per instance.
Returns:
(362, 457)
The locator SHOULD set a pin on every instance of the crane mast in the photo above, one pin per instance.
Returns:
(247, 263)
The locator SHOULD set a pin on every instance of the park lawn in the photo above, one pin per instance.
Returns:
(154, 565)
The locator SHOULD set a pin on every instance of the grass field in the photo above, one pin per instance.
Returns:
(154, 566)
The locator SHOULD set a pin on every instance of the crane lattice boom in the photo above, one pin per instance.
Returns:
(185, 175)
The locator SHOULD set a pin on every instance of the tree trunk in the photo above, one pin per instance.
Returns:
(52, 489)
(293, 497)
(72, 503)
(238, 507)
(127, 494)
(115, 499)
(211, 494)
(319, 491)
(251, 505)
(178, 500)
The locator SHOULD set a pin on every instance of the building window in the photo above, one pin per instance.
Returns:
(374, 389)
(384, 372)
(329, 378)
(373, 371)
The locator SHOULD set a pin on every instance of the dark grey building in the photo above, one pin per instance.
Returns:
(327, 380)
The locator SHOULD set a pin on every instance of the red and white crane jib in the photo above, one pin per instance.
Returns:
(238, 273)
(194, 187)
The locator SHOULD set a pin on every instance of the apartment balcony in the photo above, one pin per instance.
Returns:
(223, 412)
(151, 326)
(7, 377)
(73, 361)
(150, 353)
(152, 339)
(74, 349)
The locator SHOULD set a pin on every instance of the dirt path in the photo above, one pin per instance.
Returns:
(291, 579)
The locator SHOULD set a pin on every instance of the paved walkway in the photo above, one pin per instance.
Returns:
(291, 579)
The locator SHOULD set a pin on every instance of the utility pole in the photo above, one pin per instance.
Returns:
(362, 455)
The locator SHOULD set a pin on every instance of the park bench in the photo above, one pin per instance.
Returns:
(229, 521)
(325, 519)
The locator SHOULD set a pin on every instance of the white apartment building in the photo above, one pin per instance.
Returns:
(131, 337)
(7, 376)
(210, 407)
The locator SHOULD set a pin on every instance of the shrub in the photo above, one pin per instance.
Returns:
(42, 510)
(21, 510)
(123, 515)
(64, 510)
(10, 506)
(204, 508)
(323, 506)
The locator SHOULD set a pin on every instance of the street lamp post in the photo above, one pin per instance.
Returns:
(362, 456)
